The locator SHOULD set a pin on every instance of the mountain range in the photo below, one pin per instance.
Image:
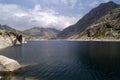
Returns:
(33, 33)
(89, 19)
(42, 33)
(101, 22)
(106, 27)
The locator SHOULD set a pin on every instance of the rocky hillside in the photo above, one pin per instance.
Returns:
(5, 27)
(9, 29)
(89, 19)
(42, 33)
(10, 36)
(107, 27)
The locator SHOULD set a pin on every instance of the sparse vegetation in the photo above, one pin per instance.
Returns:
(92, 18)
(0, 33)
(106, 27)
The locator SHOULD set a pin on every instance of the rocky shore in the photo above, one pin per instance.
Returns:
(8, 66)
(102, 40)
(5, 42)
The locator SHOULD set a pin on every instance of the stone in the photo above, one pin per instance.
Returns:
(8, 65)
(0, 77)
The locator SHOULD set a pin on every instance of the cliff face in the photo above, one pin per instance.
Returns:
(8, 38)
(4, 39)
(5, 42)
(89, 19)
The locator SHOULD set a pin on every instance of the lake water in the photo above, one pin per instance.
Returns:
(66, 60)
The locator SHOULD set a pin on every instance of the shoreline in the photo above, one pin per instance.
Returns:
(100, 40)
(5, 41)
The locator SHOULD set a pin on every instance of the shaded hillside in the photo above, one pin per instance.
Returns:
(7, 28)
(42, 33)
(107, 27)
(89, 19)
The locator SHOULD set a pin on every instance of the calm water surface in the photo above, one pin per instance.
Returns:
(66, 60)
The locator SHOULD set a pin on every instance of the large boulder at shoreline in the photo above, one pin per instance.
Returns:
(8, 65)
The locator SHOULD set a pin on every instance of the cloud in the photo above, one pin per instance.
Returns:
(94, 3)
(22, 18)
(89, 4)
(55, 2)
(34, 1)
(73, 3)
(69, 3)
(37, 7)
(107, 0)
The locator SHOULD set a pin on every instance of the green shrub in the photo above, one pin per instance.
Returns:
(0, 33)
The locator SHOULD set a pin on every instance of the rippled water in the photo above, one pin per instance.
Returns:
(66, 60)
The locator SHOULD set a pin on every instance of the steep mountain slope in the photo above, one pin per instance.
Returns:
(88, 19)
(43, 33)
(107, 27)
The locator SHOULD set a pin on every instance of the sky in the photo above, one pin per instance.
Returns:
(59, 14)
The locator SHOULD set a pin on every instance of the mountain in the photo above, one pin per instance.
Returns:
(106, 27)
(42, 33)
(6, 27)
(5, 30)
(33, 33)
(10, 29)
(89, 19)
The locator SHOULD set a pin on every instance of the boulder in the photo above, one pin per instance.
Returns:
(8, 65)
(0, 77)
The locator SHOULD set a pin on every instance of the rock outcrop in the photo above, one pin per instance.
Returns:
(5, 42)
(8, 65)
(10, 36)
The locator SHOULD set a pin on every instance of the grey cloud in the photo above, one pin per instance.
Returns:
(23, 18)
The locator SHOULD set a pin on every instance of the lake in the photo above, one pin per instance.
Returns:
(65, 60)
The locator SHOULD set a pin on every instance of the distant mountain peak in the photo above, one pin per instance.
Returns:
(6, 27)
(89, 19)
(35, 28)
(43, 33)
(110, 3)
(106, 27)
